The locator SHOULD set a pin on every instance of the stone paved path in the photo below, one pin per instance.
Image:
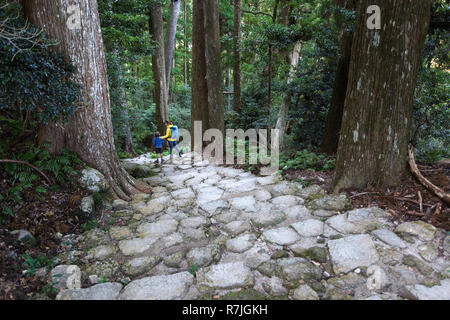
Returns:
(209, 231)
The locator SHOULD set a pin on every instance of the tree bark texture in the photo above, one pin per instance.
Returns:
(237, 59)
(160, 91)
(89, 133)
(169, 46)
(207, 98)
(373, 144)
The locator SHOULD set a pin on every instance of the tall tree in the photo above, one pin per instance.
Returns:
(334, 117)
(237, 59)
(89, 133)
(159, 67)
(207, 98)
(169, 46)
(379, 103)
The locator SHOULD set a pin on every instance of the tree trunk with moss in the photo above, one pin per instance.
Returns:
(89, 133)
(384, 65)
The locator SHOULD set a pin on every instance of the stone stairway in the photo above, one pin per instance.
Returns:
(209, 232)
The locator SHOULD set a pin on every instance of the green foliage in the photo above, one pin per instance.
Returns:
(193, 269)
(34, 79)
(305, 160)
(22, 178)
(90, 225)
(40, 261)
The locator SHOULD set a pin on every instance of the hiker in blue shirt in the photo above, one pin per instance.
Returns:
(157, 146)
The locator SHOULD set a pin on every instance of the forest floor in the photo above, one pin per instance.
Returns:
(408, 201)
(47, 217)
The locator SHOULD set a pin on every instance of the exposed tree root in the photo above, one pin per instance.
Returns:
(28, 165)
(441, 194)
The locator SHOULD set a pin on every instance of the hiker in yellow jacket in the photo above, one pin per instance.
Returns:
(172, 138)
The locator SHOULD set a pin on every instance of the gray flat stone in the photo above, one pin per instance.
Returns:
(66, 277)
(140, 265)
(309, 228)
(103, 291)
(304, 292)
(224, 276)
(241, 243)
(389, 238)
(282, 236)
(421, 292)
(136, 245)
(331, 203)
(170, 287)
(157, 229)
(204, 256)
(420, 229)
(244, 203)
(194, 222)
(237, 227)
(352, 252)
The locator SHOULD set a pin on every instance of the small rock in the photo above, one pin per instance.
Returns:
(101, 252)
(93, 279)
(428, 251)
(280, 254)
(119, 233)
(390, 238)
(415, 262)
(304, 292)
(87, 205)
(351, 252)
(331, 203)
(377, 278)
(166, 287)
(141, 265)
(119, 204)
(420, 229)
(241, 243)
(281, 236)
(24, 236)
(204, 256)
(93, 180)
(309, 228)
(224, 276)
(66, 277)
(103, 291)
(237, 227)
(421, 292)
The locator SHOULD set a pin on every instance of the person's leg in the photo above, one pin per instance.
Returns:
(178, 148)
(171, 144)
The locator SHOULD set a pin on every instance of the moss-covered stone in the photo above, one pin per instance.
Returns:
(415, 262)
(280, 254)
(246, 294)
(318, 254)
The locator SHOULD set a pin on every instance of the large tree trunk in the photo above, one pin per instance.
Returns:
(160, 91)
(169, 46)
(207, 98)
(378, 108)
(334, 117)
(185, 73)
(89, 133)
(287, 96)
(237, 60)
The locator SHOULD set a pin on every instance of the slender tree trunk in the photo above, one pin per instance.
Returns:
(214, 65)
(159, 68)
(89, 133)
(185, 43)
(269, 81)
(287, 96)
(128, 141)
(334, 117)
(373, 144)
(237, 60)
(207, 97)
(169, 46)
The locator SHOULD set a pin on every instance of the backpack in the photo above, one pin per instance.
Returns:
(174, 133)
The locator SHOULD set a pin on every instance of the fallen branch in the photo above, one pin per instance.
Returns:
(441, 194)
(28, 165)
